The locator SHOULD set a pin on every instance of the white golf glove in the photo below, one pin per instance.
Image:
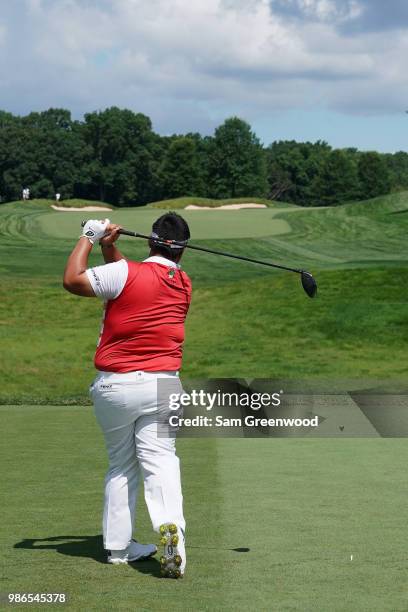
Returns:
(95, 229)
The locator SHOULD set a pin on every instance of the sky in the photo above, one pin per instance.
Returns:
(333, 70)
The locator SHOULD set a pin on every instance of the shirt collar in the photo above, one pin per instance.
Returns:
(161, 260)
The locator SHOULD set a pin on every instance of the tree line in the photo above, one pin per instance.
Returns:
(115, 156)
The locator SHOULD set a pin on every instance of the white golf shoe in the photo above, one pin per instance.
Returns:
(134, 552)
(173, 559)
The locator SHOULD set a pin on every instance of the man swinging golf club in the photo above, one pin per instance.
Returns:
(146, 304)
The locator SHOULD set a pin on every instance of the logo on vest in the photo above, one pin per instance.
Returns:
(172, 273)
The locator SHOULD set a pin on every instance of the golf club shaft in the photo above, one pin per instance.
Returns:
(213, 252)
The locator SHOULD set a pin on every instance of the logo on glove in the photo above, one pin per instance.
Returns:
(94, 229)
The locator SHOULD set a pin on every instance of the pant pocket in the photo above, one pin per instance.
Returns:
(111, 393)
(110, 407)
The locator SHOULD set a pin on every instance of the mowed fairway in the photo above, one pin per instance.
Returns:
(272, 524)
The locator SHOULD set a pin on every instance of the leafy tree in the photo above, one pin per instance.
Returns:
(122, 165)
(398, 168)
(43, 188)
(51, 119)
(374, 175)
(7, 119)
(298, 167)
(44, 151)
(237, 165)
(338, 181)
(114, 155)
(180, 171)
(280, 182)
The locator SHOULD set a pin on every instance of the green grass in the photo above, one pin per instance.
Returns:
(280, 334)
(302, 507)
(355, 328)
(172, 204)
(226, 225)
(69, 203)
(176, 203)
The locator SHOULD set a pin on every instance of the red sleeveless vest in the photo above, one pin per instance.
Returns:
(143, 328)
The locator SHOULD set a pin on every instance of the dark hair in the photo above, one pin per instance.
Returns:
(169, 226)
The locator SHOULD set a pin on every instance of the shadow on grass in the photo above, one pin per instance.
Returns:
(90, 547)
(399, 212)
(240, 549)
(73, 546)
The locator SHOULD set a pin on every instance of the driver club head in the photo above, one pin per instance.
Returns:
(309, 284)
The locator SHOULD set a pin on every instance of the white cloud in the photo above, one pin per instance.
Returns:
(189, 64)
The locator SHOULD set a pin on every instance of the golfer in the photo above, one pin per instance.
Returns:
(140, 346)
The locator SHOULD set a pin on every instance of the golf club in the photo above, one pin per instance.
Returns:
(308, 282)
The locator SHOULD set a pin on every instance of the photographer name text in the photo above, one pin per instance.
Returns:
(248, 421)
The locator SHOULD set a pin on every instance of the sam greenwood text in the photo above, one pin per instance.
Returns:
(248, 421)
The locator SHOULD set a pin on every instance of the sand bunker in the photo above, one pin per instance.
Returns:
(225, 206)
(72, 209)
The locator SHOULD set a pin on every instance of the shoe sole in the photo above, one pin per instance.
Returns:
(170, 560)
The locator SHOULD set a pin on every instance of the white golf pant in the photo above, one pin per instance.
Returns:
(126, 409)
